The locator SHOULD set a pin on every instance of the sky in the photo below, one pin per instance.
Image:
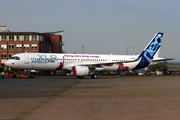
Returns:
(101, 26)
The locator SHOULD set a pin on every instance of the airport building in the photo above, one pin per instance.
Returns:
(20, 42)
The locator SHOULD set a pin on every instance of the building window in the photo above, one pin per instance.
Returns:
(3, 38)
(19, 38)
(11, 38)
(18, 47)
(3, 46)
(3, 56)
(26, 38)
(26, 46)
(34, 37)
(11, 47)
(10, 55)
(49, 48)
(42, 47)
(40, 38)
(34, 47)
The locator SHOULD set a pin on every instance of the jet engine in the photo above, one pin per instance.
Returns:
(59, 72)
(80, 70)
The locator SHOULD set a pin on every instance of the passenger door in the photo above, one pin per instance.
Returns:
(26, 59)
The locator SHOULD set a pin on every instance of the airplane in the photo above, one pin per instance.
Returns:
(88, 64)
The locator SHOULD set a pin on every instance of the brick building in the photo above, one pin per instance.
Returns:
(20, 42)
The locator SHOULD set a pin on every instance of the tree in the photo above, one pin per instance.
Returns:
(158, 66)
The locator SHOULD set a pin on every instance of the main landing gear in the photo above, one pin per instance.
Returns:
(80, 77)
(93, 76)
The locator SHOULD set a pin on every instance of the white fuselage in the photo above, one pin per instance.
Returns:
(53, 61)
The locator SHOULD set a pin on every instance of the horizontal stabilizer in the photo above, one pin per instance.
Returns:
(159, 60)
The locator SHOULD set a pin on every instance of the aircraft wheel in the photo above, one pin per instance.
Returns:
(14, 76)
(94, 76)
(80, 77)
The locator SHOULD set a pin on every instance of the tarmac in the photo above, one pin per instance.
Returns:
(105, 98)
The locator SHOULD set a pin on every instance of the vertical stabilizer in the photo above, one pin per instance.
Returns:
(157, 53)
(151, 51)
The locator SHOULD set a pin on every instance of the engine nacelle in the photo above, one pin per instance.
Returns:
(80, 70)
(59, 72)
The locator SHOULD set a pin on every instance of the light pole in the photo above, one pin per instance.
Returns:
(127, 49)
(82, 49)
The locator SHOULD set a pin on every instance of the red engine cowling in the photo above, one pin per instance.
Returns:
(59, 72)
(80, 70)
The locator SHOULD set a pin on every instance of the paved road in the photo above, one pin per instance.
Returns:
(106, 98)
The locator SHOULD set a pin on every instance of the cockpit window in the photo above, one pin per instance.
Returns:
(15, 58)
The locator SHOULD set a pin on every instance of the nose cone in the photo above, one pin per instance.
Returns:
(8, 63)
